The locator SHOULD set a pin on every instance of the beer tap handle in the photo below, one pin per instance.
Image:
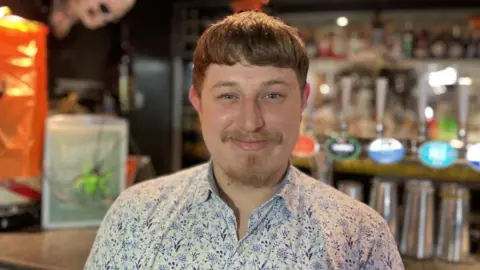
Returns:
(309, 108)
(346, 88)
(463, 95)
(422, 105)
(381, 91)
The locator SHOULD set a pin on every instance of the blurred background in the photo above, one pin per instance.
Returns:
(94, 98)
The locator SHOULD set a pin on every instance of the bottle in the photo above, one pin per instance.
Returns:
(322, 39)
(378, 30)
(339, 44)
(456, 47)
(126, 80)
(396, 50)
(309, 38)
(471, 51)
(477, 41)
(355, 44)
(421, 45)
(438, 45)
(407, 41)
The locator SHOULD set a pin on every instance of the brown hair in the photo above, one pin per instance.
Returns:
(253, 38)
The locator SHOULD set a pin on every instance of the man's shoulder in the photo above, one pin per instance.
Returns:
(153, 189)
(349, 228)
(333, 204)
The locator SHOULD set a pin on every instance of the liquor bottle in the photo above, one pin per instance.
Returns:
(339, 44)
(396, 50)
(456, 47)
(471, 50)
(421, 45)
(356, 44)
(408, 41)
(474, 23)
(126, 79)
(438, 45)
(477, 41)
(308, 38)
(323, 41)
(378, 30)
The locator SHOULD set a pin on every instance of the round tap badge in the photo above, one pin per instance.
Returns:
(343, 148)
(386, 151)
(473, 156)
(306, 147)
(437, 154)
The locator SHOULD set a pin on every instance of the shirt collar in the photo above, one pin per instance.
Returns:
(287, 190)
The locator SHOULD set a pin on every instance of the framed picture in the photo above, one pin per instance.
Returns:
(84, 171)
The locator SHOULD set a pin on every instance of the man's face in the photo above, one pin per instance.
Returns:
(250, 118)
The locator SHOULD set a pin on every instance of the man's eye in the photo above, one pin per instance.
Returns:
(273, 96)
(226, 96)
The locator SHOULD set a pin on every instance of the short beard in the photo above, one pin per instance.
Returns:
(252, 173)
(250, 170)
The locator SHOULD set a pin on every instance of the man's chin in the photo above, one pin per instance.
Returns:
(248, 177)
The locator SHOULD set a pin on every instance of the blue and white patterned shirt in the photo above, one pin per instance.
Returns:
(179, 222)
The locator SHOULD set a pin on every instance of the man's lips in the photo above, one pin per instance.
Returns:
(250, 145)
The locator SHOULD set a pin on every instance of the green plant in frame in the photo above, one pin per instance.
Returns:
(92, 182)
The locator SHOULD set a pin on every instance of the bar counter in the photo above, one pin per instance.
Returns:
(68, 250)
(45, 250)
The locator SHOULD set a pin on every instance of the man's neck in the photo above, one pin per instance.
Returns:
(244, 198)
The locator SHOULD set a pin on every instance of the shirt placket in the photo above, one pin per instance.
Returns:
(231, 223)
(255, 221)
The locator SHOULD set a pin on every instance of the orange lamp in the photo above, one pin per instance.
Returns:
(243, 5)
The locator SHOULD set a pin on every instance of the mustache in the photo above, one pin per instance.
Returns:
(235, 135)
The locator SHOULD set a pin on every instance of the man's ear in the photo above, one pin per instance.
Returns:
(194, 98)
(306, 94)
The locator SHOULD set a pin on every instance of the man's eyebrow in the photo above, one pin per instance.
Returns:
(274, 82)
(224, 84)
(271, 82)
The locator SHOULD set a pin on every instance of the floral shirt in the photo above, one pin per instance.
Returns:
(179, 222)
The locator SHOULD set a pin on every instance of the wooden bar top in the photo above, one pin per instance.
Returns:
(46, 250)
(69, 249)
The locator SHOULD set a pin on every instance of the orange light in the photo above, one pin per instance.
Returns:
(243, 5)
(475, 22)
(9, 21)
(5, 11)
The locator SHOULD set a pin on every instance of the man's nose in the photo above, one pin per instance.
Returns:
(250, 116)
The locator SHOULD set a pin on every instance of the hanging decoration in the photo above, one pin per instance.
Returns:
(91, 13)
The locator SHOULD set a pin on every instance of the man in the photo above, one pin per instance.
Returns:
(248, 208)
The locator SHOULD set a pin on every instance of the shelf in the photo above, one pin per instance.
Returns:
(459, 172)
(470, 66)
(410, 167)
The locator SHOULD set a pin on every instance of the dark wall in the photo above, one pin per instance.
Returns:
(151, 127)
(85, 55)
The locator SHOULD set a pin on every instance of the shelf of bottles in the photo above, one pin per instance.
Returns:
(393, 96)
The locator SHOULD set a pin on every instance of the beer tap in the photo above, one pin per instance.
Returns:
(343, 147)
(384, 150)
(473, 151)
(435, 154)
(383, 194)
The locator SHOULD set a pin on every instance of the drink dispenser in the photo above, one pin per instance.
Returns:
(84, 168)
